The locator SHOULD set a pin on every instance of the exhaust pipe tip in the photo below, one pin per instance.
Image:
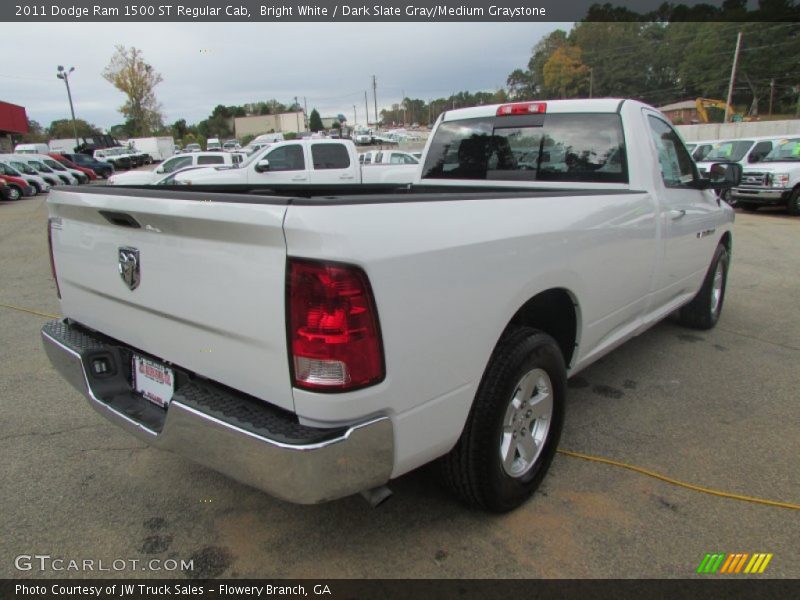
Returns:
(377, 496)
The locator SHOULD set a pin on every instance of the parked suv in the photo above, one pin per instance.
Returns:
(775, 181)
(103, 169)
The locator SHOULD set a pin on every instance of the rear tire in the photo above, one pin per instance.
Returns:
(704, 310)
(793, 205)
(514, 425)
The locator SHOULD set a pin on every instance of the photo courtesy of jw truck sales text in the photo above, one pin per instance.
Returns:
(307, 297)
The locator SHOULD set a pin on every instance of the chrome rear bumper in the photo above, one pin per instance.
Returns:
(266, 448)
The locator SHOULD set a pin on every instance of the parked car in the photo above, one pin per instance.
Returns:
(746, 152)
(231, 146)
(51, 162)
(192, 148)
(31, 149)
(319, 162)
(39, 184)
(367, 334)
(102, 169)
(22, 166)
(392, 157)
(71, 165)
(114, 157)
(700, 149)
(5, 190)
(213, 144)
(775, 181)
(176, 163)
(19, 186)
(63, 176)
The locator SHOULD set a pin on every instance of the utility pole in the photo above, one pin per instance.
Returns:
(771, 94)
(366, 109)
(375, 97)
(64, 74)
(305, 113)
(733, 76)
(297, 116)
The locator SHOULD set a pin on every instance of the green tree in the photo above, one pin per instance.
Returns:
(133, 76)
(315, 121)
(62, 129)
(36, 133)
(179, 129)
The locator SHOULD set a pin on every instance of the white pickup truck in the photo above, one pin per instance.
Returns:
(319, 346)
(176, 163)
(775, 181)
(315, 162)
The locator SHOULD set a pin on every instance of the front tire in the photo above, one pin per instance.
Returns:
(704, 310)
(793, 205)
(514, 426)
(14, 193)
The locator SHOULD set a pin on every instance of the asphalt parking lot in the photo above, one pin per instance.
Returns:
(719, 409)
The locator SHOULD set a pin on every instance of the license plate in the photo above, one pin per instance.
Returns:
(153, 380)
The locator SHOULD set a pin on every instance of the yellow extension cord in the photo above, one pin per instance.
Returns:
(587, 457)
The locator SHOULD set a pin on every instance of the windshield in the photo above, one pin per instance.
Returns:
(40, 166)
(54, 164)
(7, 169)
(23, 167)
(785, 150)
(733, 150)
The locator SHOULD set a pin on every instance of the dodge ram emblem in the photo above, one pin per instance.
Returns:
(129, 267)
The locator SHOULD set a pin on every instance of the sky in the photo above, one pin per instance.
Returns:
(205, 64)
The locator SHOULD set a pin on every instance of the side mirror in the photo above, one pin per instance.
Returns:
(721, 176)
(262, 165)
(160, 169)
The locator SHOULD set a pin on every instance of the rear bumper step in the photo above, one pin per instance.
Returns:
(244, 438)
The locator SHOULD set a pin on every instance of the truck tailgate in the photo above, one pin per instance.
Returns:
(211, 285)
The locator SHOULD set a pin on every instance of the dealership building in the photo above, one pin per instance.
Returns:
(13, 124)
(256, 125)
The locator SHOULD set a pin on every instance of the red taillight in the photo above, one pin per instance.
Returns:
(334, 335)
(52, 259)
(522, 108)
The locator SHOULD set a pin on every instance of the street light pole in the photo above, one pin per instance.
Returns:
(64, 74)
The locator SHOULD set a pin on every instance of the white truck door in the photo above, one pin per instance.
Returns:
(687, 214)
(332, 164)
(287, 164)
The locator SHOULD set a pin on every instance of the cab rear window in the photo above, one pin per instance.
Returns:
(555, 147)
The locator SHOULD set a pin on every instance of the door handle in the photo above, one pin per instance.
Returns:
(346, 177)
(677, 214)
(299, 178)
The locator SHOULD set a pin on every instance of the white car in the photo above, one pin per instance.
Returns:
(8, 168)
(69, 176)
(42, 170)
(50, 179)
(174, 164)
(388, 157)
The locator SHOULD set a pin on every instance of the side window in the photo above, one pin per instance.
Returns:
(759, 151)
(210, 160)
(410, 160)
(397, 159)
(174, 164)
(378, 158)
(677, 167)
(286, 158)
(236, 158)
(330, 156)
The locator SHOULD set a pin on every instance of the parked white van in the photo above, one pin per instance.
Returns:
(31, 149)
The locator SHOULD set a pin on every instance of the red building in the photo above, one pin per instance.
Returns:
(13, 122)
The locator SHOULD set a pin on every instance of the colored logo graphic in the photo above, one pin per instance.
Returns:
(733, 564)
